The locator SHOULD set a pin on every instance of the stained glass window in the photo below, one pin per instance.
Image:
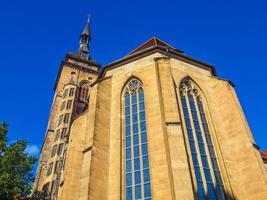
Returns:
(206, 168)
(137, 173)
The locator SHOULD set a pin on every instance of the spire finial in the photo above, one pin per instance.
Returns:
(88, 18)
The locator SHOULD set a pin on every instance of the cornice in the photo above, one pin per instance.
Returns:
(89, 62)
(168, 52)
(75, 66)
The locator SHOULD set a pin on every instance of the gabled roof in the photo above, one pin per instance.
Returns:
(153, 42)
(152, 46)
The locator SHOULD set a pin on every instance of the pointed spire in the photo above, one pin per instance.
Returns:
(85, 38)
(86, 30)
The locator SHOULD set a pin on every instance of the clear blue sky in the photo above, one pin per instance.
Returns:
(36, 35)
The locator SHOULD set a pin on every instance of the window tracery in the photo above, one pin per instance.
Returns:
(137, 171)
(133, 87)
(206, 168)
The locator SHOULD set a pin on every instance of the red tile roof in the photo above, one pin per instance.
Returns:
(156, 45)
(153, 42)
(264, 154)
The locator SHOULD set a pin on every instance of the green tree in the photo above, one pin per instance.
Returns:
(15, 167)
(40, 195)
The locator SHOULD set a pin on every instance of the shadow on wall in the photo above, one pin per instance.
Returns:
(227, 196)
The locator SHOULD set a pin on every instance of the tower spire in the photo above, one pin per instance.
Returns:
(85, 39)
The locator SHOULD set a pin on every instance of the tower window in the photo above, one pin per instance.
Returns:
(54, 150)
(60, 120)
(206, 169)
(71, 92)
(49, 169)
(57, 135)
(60, 149)
(57, 166)
(83, 92)
(63, 133)
(84, 39)
(66, 118)
(62, 107)
(46, 188)
(65, 93)
(69, 103)
(137, 171)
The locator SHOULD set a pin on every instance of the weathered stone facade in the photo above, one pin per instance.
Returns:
(92, 160)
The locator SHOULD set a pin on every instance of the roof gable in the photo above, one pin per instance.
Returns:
(153, 42)
(154, 45)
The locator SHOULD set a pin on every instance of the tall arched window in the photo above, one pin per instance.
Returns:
(137, 173)
(206, 169)
(83, 91)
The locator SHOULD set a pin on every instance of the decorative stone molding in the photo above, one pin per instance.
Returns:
(133, 87)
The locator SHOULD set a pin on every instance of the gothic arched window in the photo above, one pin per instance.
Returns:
(206, 169)
(137, 173)
(83, 91)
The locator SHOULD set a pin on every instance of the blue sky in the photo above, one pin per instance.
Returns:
(36, 35)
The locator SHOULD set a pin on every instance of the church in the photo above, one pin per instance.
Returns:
(155, 124)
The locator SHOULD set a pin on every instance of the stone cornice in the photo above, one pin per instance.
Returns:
(76, 66)
(168, 52)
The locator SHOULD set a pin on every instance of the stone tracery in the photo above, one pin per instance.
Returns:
(133, 87)
(205, 164)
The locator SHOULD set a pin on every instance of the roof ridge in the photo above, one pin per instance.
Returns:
(165, 43)
(152, 42)
(155, 40)
(140, 45)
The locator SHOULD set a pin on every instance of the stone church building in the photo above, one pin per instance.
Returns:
(155, 124)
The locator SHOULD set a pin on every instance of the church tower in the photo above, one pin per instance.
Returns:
(77, 72)
(155, 124)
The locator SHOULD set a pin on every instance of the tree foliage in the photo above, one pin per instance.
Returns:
(40, 195)
(15, 167)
